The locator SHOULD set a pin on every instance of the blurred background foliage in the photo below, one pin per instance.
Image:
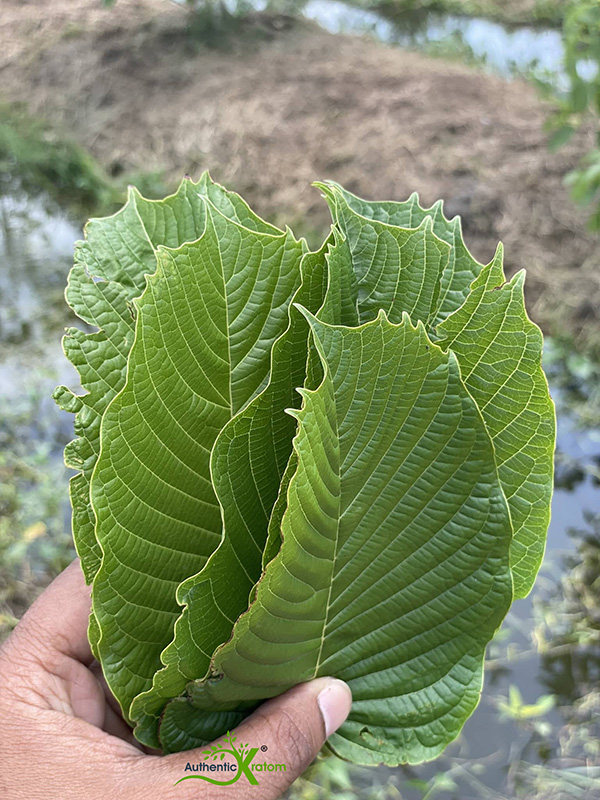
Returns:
(580, 101)
(493, 104)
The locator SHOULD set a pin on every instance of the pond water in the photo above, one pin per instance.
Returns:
(503, 50)
(35, 255)
(36, 250)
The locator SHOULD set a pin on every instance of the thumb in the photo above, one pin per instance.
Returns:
(287, 731)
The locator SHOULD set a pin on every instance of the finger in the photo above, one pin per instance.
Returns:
(287, 732)
(58, 620)
(115, 725)
(109, 697)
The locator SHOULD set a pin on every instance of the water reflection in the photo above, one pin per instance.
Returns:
(502, 49)
(36, 247)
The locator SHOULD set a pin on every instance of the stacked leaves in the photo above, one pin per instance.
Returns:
(294, 464)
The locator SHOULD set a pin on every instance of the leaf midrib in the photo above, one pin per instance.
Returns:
(337, 536)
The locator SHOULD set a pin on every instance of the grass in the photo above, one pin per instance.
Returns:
(40, 159)
(35, 540)
(510, 12)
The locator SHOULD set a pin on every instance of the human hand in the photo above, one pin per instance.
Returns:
(63, 738)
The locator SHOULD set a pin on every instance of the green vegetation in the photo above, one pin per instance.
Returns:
(40, 159)
(512, 12)
(32, 153)
(423, 408)
(34, 541)
(212, 14)
(581, 102)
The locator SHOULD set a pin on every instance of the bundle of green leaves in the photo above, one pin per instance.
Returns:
(294, 464)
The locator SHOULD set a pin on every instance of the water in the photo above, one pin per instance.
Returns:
(35, 254)
(36, 250)
(504, 50)
(501, 49)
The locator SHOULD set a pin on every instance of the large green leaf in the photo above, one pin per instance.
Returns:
(393, 574)
(205, 328)
(109, 271)
(499, 351)
(396, 269)
(248, 463)
(498, 348)
(248, 460)
(461, 267)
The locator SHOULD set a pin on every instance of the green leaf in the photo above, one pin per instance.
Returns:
(499, 351)
(397, 269)
(247, 463)
(393, 573)
(579, 94)
(109, 272)
(205, 328)
(461, 268)
(183, 728)
(560, 136)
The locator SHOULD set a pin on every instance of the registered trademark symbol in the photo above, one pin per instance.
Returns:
(264, 748)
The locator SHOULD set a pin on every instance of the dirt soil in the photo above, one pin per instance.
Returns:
(279, 104)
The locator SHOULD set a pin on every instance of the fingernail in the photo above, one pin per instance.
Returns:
(334, 703)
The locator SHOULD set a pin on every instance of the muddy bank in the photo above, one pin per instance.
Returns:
(280, 104)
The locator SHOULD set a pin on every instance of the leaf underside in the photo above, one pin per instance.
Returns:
(396, 531)
(299, 464)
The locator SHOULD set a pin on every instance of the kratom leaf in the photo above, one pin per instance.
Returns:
(247, 463)
(397, 269)
(205, 328)
(393, 574)
(500, 355)
(340, 304)
(232, 206)
(109, 271)
(461, 268)
(499, 352)
(183, 727)
(236, 550)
